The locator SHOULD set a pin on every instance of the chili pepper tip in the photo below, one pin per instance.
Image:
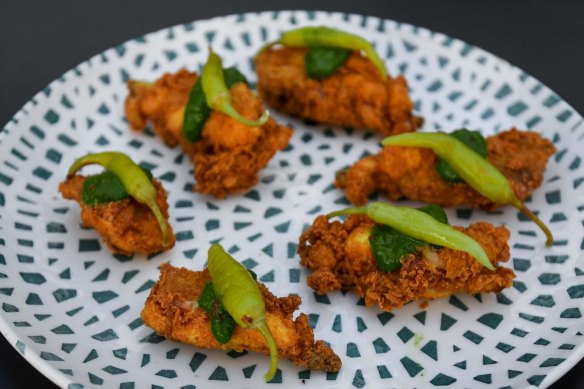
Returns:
(153, 205)
(271, 342)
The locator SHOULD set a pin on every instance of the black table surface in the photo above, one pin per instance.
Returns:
(40, 40)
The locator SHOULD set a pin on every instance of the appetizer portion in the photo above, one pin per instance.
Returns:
(331, 76)
(411, 172)
(482, 173)
(125, 204)
(394, 255)
(217, 120)
(224, 308)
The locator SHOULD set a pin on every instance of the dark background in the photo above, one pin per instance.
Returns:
(40, 40)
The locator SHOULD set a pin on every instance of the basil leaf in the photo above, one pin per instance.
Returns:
(233, 76)
(207, 297)
(222, 324)
(390, 246)
(323, 61)
(222, 328)
(196, 112)
(473, 140)
(103, 188)
(436, 211)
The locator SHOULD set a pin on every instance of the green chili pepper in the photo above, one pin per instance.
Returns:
(241, 297)
(217, 94)
(420, 225)
(476, 171)
(390, 246)
(323, 61)
(133, 178)
(222, 324)
(325, 36)
(197, 111)
(472, 139)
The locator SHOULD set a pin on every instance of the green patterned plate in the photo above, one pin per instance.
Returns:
(72, 309)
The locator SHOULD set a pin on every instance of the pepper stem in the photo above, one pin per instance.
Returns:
(78, 164)
(230, 111)
(533, 217)
(161, 222)
(263, 328)
(348, 211)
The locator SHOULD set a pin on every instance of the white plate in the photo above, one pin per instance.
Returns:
(72, 309)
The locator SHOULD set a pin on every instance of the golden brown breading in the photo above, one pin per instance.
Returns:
(171, 311)
(355, 96)
(409, 172)
(340, 257)
(126, 226)
(229, 155)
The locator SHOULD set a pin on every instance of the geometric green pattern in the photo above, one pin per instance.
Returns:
(72, 308)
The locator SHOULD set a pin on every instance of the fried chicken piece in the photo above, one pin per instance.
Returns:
(355, 96)
(409, 172)
(172, 312)
(126, 226)
(229, 154)
(340, 257)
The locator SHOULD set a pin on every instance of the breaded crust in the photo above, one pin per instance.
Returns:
(126, 226)
(229, 155)
(355, 96)
(409, 172)
(172, 312)
(340, 257)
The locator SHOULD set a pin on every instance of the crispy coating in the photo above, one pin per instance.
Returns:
(409, 172)
(229, 154)
(172, 312)
(126, 226)
(340, 257)
(355, 96)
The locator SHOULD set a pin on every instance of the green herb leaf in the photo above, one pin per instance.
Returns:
(208, 297)
(390, 246)
(323, 61)
(222, 328)
(436, 211)
(232, 76)
(222, 324)
(196, 112)
(103, 188)
(473, 140)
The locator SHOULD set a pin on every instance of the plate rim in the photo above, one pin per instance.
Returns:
(61, 379)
